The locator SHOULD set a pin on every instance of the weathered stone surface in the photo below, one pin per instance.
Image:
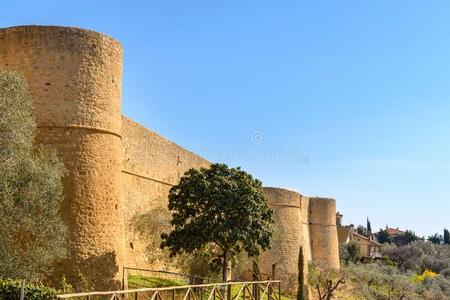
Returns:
(117, 169)
(151, 166)
(74, 77)
(300, 221)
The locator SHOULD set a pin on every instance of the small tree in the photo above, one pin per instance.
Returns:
(32, 233)
(222, 206)
(361, 230)
(325, 280)
(383, 236)
(435, 239)
(301, 275)
(446, 237)
(349, 252)
(407, 257)
(369, 228)
(404, 239)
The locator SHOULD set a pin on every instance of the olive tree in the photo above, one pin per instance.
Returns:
(32, 233)
(219, 206)
(324, 280)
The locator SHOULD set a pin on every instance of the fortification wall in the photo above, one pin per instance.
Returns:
(151, 166)
(74, 77)
(323, 231)
(304, 222)
(288, 237)
(118, 170)
(304, 217)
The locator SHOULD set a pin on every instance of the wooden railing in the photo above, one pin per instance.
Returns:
(251, 290)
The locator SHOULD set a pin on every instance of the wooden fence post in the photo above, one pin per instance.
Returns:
(22, 289)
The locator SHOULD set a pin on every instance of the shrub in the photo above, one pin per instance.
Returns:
(324, 280)
(349, 252)
(407, 257)
(32, 233)
(379, 281)
(10, 289)
(426, 275)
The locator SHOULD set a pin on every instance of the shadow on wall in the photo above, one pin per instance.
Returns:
(148, 227)
(93, 273)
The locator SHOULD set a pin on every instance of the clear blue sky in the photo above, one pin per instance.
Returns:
(346, 99)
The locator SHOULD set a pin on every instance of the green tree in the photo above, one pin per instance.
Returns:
(404, 239)
(369, 227)
(324, 280)
(435, 238)
(301, 275)
(362, 230)
(349, 252)
(446, 237)
(383, 236)
(222, 206)
(32, 233)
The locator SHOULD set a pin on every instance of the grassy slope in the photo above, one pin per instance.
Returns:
(139, 281)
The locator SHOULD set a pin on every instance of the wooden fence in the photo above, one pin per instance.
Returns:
(251, 290)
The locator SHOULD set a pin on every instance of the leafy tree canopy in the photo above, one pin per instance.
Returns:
(446, 237)
(404, 239)
(221, 206)
(349, 252)
(32, 234)
(435, 238)
(362, 230)
(383, 236)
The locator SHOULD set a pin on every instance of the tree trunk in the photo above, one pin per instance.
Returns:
(225, 266)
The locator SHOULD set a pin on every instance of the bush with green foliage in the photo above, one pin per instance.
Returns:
(419, 256)
(380, 281)
(407, 238)
(407, 257)
(435, 238)
(32, 233)
(220, 206)
(418, 270)
(383, 236)
(11, 289)
(362, 230)
(349, 252)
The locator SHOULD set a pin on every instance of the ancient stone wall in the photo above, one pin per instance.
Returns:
(151, 166)
(288, 236)
(118, 170)
(304, 222)
(323, 231)
(74, 77)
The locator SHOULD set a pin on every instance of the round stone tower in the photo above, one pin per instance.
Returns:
(323, 231)
(74, 77)
(288, 237)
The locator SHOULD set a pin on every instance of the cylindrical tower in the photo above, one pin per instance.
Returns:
(74, 77)
(323, 231)
(288, 237)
